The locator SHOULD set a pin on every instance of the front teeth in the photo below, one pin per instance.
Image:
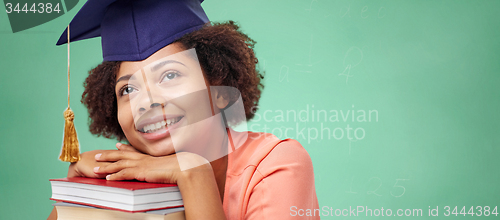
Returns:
(150, 128)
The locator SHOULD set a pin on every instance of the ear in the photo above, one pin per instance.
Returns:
(219, 100)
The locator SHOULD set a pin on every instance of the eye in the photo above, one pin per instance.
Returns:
(169, 75)
(127, 90)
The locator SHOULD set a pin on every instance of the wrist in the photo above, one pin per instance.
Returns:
(193, 168)
(73, 171)
(201, 173)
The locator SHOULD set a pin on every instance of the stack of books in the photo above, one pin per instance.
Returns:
(88, 198)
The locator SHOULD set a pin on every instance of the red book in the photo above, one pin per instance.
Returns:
(129, 196)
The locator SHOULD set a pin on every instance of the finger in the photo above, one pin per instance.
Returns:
(115, 167)
(116, 155)
(126, 147)
(87, 172)
(100, 175)
(97, 176)
(125, 174)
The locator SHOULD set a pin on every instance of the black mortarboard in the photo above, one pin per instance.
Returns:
(132, 30)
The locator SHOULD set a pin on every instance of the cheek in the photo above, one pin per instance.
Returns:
(125, 118)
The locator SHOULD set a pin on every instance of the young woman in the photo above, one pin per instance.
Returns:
(178, 106)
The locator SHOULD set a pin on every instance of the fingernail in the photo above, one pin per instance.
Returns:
(97, 156)
(118, 145)
(108, 177)
(96, 169)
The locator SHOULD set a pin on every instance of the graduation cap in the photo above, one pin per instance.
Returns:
(130, 30)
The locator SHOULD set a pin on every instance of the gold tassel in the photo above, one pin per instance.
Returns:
(71, 149)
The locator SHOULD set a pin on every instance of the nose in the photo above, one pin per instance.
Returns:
(148, 100)
(155, 104)
(149, 96)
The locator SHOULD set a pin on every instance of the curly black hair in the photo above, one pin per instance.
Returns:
(226, 57)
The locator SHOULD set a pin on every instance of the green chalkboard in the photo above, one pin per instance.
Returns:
(397, 102)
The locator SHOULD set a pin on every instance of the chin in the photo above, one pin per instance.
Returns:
(162, 148)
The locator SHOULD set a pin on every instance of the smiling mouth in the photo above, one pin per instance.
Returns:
(154, 127)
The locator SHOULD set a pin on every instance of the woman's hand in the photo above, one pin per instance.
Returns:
(85, 166)
(128, 164)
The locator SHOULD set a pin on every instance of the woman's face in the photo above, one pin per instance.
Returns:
(164, 104)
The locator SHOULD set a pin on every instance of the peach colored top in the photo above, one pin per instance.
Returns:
(267, 176)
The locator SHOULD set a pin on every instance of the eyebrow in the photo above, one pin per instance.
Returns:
(159, 65)
(126, 77)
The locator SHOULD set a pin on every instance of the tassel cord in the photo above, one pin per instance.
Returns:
(71, 150)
